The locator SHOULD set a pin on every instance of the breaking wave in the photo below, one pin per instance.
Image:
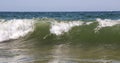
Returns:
(50, 30)
(14, 29)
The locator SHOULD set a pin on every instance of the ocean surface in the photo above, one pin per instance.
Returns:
(60, 37)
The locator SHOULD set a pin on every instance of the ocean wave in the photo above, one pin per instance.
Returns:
(49, 29)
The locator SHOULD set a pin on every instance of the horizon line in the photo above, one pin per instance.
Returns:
(63, 11)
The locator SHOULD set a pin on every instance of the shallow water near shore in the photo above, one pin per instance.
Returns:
(16, 52)
(62, 53)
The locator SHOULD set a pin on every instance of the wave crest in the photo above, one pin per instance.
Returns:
(13, 29)
(40, 28)
(59, 28)
(106, 23)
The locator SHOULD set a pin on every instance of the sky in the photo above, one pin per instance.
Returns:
(59, 5)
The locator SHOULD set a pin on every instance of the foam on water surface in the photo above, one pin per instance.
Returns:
(13, 29)
(59, 28)
(106, 23)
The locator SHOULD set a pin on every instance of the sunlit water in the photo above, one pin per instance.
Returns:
(63, 53)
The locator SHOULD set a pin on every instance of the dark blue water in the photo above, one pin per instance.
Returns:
(61, 15)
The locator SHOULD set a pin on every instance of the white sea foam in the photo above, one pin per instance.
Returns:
(13, 29)
(106, 23)
(59, 28)
(88, 23)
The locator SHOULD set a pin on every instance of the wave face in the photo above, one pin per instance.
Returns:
(54, 32)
